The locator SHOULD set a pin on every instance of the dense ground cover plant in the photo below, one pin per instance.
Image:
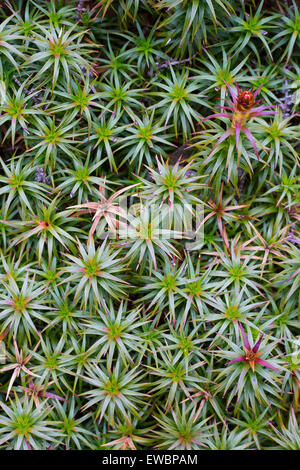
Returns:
(117, 330)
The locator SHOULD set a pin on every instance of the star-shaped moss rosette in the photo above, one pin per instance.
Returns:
(106, 209)
(243, 107)
(251, 353)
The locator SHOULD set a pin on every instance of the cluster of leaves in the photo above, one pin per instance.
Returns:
(117, 329)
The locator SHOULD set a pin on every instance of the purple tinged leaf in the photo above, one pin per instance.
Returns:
(262, 108)
(217, 115)
(294, 274)
(252, 140)
(237, 359)
(265, 364)
(245, 339)
(257, 344)
(223, 137)
(263, 113)
(28, 445)
(257, 91)
(52, 395)
(237, 133)
(232, 92)
(224, 107)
